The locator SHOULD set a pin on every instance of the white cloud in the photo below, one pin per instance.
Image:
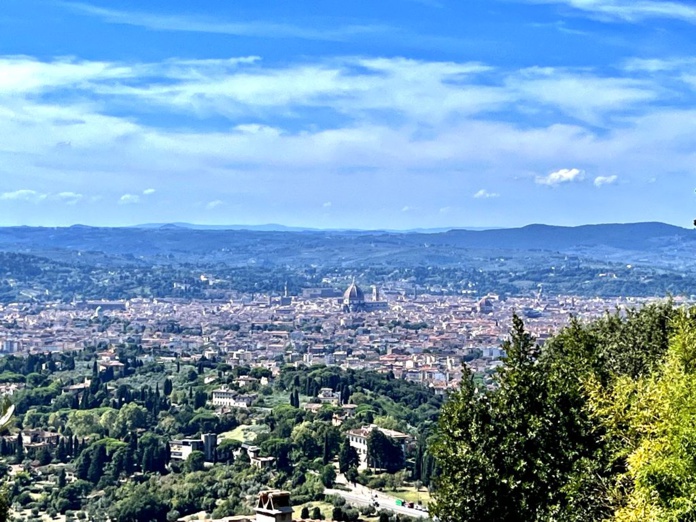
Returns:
(214, 204)
(70, 198)
(23, 195)
(484, 194)
(407, 209)
(605, 180)
(630, 10)
(580, 94)
(149, 192)
(327, 204)
(22, 74)
(561, 176)
(129, 199)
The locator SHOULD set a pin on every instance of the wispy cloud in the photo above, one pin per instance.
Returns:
(129, 199)
(197, 24)
(23, 74)
(23, 195)
(214, 204)
(149, 192)
(630, 10)
(605, 180)
(33, 196)
(70, 198)
(484, 194)
(560, 177)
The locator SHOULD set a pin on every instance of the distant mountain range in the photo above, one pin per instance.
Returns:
(653, 244)
(273, 227)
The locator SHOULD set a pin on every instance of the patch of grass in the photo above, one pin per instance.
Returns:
(325, 507)
(271, 401)
(245, 433)
(409, 494)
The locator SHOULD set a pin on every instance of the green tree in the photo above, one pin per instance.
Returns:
(337, 514)
(97, 463)
(651, 422)
(352, 475)
(19, 449)
(61, 481)
(383, 452)
(328, 476)
(4, 505)
(140, 506)
(348, 457)
(195, 461)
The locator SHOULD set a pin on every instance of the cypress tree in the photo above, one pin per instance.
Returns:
(326, 457)
(19, 449)
(61, 478)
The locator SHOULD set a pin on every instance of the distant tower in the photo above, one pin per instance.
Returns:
(375, 293)
(273, 506)
(210, 445)
(286, 300)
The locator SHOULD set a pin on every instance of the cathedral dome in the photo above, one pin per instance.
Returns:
(353, 294)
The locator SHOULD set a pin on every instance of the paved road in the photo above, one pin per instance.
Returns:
(364, 498)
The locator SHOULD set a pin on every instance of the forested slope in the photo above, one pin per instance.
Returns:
(600, 424)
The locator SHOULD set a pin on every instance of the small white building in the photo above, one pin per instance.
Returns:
(328, 396)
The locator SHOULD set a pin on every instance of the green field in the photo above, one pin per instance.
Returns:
(246, 433)
(409, 494)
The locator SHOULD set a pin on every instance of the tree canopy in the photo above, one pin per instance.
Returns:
(567, 432)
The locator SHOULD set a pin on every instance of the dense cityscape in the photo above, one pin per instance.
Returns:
(420, 338)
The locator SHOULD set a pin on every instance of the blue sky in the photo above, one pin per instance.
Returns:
(362, 114)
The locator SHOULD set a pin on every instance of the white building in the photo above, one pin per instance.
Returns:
(224, 397)
(358, 439)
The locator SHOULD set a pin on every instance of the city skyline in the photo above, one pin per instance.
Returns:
(410, 114)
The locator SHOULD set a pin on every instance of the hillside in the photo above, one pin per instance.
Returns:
(654, 244)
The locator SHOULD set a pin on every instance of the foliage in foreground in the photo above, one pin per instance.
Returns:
(597, 425)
